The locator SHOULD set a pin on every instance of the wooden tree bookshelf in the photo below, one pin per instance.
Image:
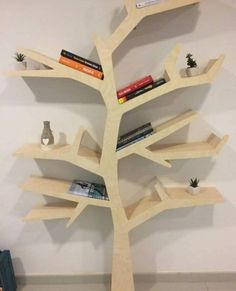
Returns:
(104, 162)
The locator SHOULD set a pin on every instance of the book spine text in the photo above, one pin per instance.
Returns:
(80, 67)
(142, 91)
(135, 86)
(81, 60)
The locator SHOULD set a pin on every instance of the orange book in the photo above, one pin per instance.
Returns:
(80, 67)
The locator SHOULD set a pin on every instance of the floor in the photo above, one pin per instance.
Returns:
(208, 286)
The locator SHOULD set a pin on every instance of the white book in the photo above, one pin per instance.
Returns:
(147, 3)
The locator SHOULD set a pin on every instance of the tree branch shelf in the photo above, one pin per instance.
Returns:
(104, 162)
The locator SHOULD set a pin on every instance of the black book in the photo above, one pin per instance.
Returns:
(81, 60)
(136, 137)
(134, 141)
(150, 87)
(148, 131)
(7, 276)
(134, 132)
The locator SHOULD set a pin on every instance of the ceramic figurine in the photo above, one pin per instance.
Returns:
(47, 139)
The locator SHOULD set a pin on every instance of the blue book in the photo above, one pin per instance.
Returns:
(7, 276)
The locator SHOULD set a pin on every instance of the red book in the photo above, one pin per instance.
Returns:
(135, 86)
(80, 67)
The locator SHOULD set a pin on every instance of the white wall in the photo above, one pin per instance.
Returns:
(196, 239)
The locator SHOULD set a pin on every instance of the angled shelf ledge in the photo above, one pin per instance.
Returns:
(161, 131)
(163, 199)
(58, 189)
(50, 212)
(209, 148)
(57, 70)
(175, 80)
(77, 154)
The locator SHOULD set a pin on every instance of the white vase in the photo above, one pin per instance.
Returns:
(20, 66)
(193, 190)
(191, 72)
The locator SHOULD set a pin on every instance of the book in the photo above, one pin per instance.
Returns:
(134, 132)
(88, 189)
(132, 138)
(7, 276)
(147, 3)
(134, 141)
(135, 86)
(141, 91)
(80, 67)
(81, 60)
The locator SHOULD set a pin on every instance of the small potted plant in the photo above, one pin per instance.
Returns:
(192, 69)
(20, 61)
(194, 186)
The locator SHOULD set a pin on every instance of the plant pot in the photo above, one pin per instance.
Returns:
(191, 72)
(20, 66)
(193, 190)
(32, 65)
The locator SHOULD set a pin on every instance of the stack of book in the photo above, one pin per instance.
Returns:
(88, 189)
(134, 136)
(81, 64)
(138, 88)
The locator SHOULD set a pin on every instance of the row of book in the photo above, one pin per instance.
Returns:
(138, 88)
(134, 136)
(91, 68)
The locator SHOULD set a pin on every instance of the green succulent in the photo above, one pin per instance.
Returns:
(194, 182)
(190, 61)
(19, 57)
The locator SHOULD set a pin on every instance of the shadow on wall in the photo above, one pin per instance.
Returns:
(158, 27)
(94, 225)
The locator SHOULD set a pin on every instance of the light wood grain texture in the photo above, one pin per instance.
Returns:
(50, 212)
(160, 132)
(105, 162)
(58, 70)
(78, 210)
(107, 87)
(209, 148)
(58, 189)
(169, 198)
(77, 154)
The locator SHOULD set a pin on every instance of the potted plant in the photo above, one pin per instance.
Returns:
(194, 186)
(192, 69)
(20, 61)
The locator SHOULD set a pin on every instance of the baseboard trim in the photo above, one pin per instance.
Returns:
(138, 277)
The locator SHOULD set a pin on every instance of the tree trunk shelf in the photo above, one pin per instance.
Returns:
(104, 162)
